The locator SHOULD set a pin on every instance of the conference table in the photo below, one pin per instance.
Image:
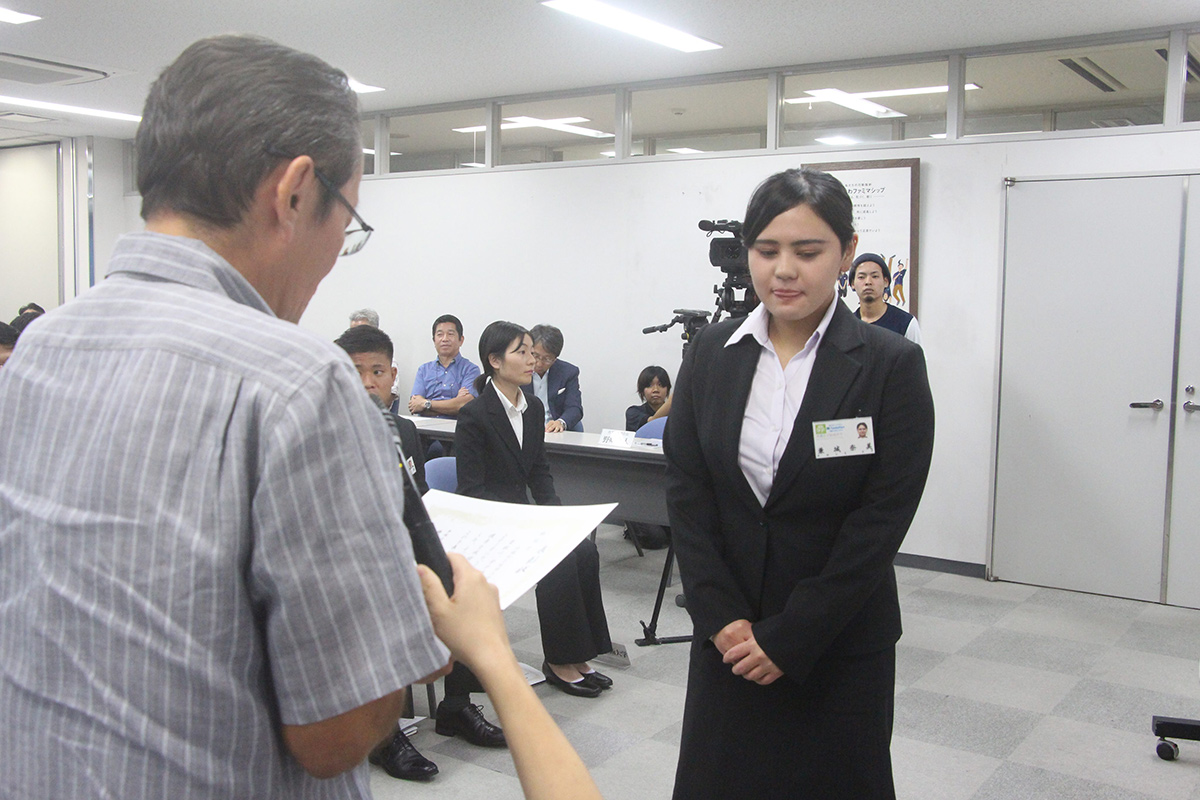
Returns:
(587, 472)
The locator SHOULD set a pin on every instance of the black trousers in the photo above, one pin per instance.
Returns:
(571, 610)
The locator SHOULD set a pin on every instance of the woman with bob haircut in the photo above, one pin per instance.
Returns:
(784, 551)
(500, 444)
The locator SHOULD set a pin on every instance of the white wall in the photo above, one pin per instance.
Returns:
(29, 267)
(605, 250)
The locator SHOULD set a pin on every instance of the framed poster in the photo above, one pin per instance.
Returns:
(887, 203)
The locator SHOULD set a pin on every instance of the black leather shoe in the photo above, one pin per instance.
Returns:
(596, 678)
(469, 724)
(581, 689)
(401, 760)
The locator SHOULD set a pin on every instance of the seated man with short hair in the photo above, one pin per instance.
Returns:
(555, 382)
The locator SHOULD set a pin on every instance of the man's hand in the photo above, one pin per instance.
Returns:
(469, 623)
(554, 426)
(735, 632)
(416, 404)
(463, 390)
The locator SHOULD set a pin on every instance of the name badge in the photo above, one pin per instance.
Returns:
(838, 438)
(411, 466)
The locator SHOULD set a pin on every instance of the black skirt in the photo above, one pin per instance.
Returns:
(826, 737)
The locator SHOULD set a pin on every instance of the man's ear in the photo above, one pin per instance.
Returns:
(296, 180)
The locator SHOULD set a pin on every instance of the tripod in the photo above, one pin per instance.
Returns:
(651, 630)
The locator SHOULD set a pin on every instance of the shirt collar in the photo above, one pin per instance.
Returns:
(521, 405)
(757, 320)
(183, 260)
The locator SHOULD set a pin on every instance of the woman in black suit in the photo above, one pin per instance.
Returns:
(500, 444)
(786, 552)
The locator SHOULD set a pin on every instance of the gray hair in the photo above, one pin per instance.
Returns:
(549, 337)
(367, 315)
(226, 112)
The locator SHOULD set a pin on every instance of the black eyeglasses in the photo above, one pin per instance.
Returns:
(356, 238)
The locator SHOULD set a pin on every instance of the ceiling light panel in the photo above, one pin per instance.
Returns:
(855, 103)
(77, 110)
(16, 17)
(626, 22)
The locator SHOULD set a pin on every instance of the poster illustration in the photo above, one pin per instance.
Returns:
(886, 197)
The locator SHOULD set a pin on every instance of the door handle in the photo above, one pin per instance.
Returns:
(1155, 404)
(1189, 406)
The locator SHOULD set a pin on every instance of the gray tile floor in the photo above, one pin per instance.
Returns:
(1003, 692)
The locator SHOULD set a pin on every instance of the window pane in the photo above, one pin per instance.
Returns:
(430, 141)
(1191, 96)
(901, 102)
(368, 140)
(570, 129)
(1107, 86)
(708, 118)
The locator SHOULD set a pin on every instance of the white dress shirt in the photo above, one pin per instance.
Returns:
(541, 391)
(775, 397)
(514, 413)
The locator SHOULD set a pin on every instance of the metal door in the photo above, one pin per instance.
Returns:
(1090, 289)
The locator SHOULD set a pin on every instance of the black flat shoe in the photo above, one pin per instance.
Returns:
(469, 724)
(581, 689)
(401, 760)
(596, 678)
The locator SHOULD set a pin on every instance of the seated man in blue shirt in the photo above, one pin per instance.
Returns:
(555, 382)
(444, 385)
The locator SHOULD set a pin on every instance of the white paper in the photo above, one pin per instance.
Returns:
(616, 438)
(512, 544)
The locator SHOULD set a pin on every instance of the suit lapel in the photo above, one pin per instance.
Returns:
(732, 379)
(834, 371)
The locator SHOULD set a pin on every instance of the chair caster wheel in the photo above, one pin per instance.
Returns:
(1167, 750)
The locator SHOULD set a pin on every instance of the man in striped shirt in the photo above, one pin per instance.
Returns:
(206, 589)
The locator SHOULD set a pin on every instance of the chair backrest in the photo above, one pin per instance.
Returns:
(578, 427)
(442, 473)
(651, 430)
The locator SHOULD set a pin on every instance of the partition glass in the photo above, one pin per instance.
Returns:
(1099, 86)
(1191, 94)
(700, 119)
(437, 140)
(563, 129)
(850, 107)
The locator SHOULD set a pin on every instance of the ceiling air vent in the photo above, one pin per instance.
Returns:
(26, 119)
(1193, 64)
(1093, 73)
(45, 73)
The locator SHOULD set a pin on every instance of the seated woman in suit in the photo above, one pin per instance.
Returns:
(785, 546)
(654, 388)
(500, 444)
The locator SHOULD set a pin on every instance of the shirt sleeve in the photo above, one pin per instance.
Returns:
(913, 334)
(331, 568)
(470, 373)
(419, 382)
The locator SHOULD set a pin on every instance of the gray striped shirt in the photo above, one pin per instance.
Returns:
(200, 538)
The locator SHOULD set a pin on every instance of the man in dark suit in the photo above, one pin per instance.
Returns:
(555, 382)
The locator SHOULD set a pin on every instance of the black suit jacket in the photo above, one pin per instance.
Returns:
(562, 391)
(411, 442)
(491, 464)
(812, 568)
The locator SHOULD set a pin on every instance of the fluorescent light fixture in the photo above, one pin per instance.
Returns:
(624, 21)
(884, 93)
(472, 164)
(937, 136)
(609, 153)
(684, 151)
(565, 125)
(362, 88)
(369, 152)
(15, 17)
(86, 112)
(855, 103)
(836, 140)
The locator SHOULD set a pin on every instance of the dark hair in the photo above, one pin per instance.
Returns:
(31, 307)
(874, 258)
(365, 339)
(220, 118)
(648, 376)
(22, 320)
(8, 335)
(783, 191)
(495, 341)
(447, 318)
(550, 337)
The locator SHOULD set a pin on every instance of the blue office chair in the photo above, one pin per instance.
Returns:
(652, 429)
(442, 473)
